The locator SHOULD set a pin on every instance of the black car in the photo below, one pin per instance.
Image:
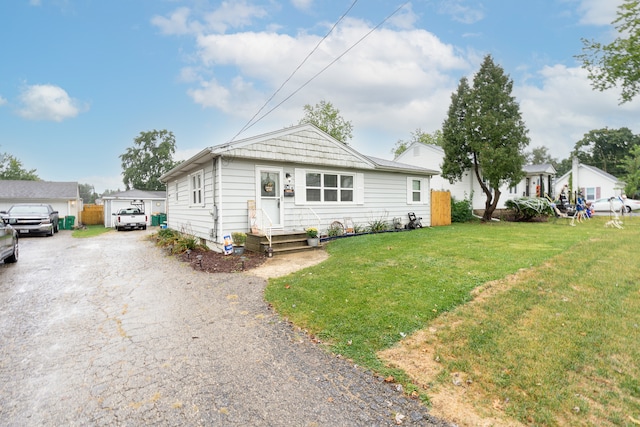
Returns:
(8, 243)
(32, 218)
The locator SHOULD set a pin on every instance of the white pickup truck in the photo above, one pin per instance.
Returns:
(130, 218)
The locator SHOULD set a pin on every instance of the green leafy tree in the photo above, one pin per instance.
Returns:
(87, 193)
(418, 135)
(606, 149)
(617, 63)
(326, 117)
(149, 158)
(11, 168)
(563, 167)
(632, 177)
(484, 132)
(540, 156)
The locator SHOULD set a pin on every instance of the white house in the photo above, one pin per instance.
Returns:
(538, 179)
(290, 179)
(150, 202)
(592, 182)
(62, 196)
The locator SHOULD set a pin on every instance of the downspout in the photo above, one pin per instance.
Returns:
(219, 194)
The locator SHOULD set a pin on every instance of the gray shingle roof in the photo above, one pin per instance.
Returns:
(10, 189)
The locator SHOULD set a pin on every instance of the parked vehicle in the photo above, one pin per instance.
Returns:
(604, 205)
(130, 218)
(32, 218)
(8, 243)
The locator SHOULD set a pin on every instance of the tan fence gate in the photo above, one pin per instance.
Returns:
(440, 208)
(93, 215)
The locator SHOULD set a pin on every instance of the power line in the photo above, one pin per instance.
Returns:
(249, 124)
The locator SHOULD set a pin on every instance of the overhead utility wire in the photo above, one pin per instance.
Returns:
(328, 65)
(249, 124)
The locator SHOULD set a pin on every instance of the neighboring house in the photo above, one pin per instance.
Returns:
(152, 202)
(62, 196)
(593, 183)
(538, 179)
(290, 179)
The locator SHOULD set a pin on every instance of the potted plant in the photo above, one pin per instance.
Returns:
(239, 238)
(312, 236)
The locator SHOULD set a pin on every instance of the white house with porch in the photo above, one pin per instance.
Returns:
(290, 179)
(538, 180)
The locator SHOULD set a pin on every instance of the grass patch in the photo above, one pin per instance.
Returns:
(558, 344)
(90, 231)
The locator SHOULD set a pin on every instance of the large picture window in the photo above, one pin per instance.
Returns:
(329, 187)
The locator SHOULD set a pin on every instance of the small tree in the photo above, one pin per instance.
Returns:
(150, 157)
(484, 132)
(326, 117)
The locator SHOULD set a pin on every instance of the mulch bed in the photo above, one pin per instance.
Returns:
(216, 262)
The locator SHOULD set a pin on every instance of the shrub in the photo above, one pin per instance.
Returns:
(378, 225)
(239, 238)
(528, 208)
(461, 210)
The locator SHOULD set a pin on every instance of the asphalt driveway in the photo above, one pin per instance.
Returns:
(111, 331)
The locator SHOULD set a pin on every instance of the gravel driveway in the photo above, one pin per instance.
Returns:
(110, 331)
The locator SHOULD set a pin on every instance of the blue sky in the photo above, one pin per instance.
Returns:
(80, 79)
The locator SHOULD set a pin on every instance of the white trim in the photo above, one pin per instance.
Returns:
(423, 191)
(201, 189)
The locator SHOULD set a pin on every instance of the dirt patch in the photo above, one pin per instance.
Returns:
(252, 262)
(456, 399)
(216, 262)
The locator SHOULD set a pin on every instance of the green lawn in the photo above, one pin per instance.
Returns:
(568, 328)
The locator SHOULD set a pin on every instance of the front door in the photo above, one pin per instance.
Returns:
(270, 196)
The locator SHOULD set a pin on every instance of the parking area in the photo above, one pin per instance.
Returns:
(111, 331)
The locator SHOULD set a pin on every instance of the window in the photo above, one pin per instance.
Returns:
(329, 187)
(513, 189)
(590, 194)
(417, 191)
(196, 188)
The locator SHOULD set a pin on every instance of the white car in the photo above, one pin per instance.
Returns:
(604, 205)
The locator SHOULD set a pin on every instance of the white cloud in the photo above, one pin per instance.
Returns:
(35, 2)
(177, 23)
(48, 102)
(461, 12)
(230, 14)
(565, 107)
(2, 101)
(302, 4)
(598, 12)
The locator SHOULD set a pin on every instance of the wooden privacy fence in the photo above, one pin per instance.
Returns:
(440, 208)
(93, 215)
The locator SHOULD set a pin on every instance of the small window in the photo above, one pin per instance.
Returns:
(197, 189)
(417, 191)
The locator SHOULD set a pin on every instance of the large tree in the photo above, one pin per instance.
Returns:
(418, 135)
(484, 132)
(11, 168)
(617, 63)
(149, 158)
(606, 149)
(326, 117)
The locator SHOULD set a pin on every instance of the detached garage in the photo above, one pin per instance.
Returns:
(62, 196)
(151, 202)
